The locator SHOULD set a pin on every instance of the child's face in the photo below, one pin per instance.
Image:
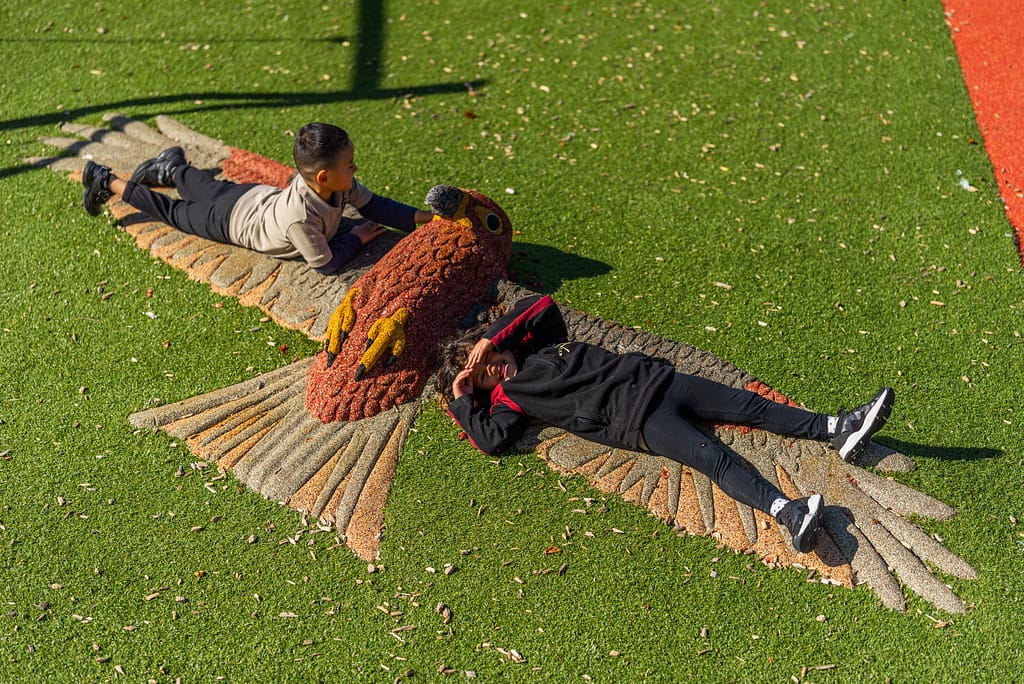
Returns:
(341, 176)
(494, 368)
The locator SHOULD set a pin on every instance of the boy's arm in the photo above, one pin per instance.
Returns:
(344, 249)
(393, 213)
(325, 257)
(311, 244)
(491, 432)
(535, 319)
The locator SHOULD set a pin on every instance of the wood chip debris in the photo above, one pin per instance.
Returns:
(817, 668)
(512, 654)
(156, 593)
(387, 610)
(403, 628)
(444, 611)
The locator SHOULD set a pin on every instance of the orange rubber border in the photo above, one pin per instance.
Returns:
(989, 40)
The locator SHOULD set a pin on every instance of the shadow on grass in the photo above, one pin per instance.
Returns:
(364, 84)
(544, 268)
(245, 100)
(945, 453)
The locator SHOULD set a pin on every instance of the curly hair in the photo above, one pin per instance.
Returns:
(452, 354)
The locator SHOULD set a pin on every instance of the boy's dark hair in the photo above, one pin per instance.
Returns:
(452, 354)
(317, 146)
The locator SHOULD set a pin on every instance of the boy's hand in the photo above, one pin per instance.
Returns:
(479, 352)
(368, 231)
(463, 383)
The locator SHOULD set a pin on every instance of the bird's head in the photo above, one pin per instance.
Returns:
(472, 210)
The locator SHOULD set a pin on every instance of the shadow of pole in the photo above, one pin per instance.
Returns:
(370, 47)
(364, 84)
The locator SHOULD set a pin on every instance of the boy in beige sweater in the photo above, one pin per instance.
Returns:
(300, 220)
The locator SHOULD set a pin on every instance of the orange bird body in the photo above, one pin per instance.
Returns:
(436, 274)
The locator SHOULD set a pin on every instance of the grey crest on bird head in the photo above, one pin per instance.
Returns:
(444, 200)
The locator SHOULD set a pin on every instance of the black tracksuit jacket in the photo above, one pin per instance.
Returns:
(587, 390)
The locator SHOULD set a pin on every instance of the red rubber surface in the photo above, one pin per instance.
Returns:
(989, 39)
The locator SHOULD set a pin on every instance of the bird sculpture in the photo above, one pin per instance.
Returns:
(324, 434)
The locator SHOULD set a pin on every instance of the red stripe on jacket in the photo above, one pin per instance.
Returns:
(533, 310)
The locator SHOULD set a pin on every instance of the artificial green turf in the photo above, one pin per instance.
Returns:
(806, 155)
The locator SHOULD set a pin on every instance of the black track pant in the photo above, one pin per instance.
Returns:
(205, 207)
(668, 432)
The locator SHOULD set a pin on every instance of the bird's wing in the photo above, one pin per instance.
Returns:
(289, 291)
(339, 473)
(866, 536)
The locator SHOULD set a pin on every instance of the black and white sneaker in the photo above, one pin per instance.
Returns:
(96, 180)
(855, 428)
(803, 519)
(158, 172)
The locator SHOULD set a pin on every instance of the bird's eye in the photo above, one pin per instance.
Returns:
(493, 223)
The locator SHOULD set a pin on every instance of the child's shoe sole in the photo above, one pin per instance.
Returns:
(881, 408)
(807, 536)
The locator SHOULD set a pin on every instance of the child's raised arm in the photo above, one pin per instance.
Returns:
(490, 431)
(479, 352)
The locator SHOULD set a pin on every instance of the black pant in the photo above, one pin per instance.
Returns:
(205, 206)
(668, 432)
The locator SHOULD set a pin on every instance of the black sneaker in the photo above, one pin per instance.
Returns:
(159, 171)
(855, 428)
(803, 519)
(96, 180)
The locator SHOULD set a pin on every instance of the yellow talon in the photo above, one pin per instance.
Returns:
(385, 335)
(342, 321)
